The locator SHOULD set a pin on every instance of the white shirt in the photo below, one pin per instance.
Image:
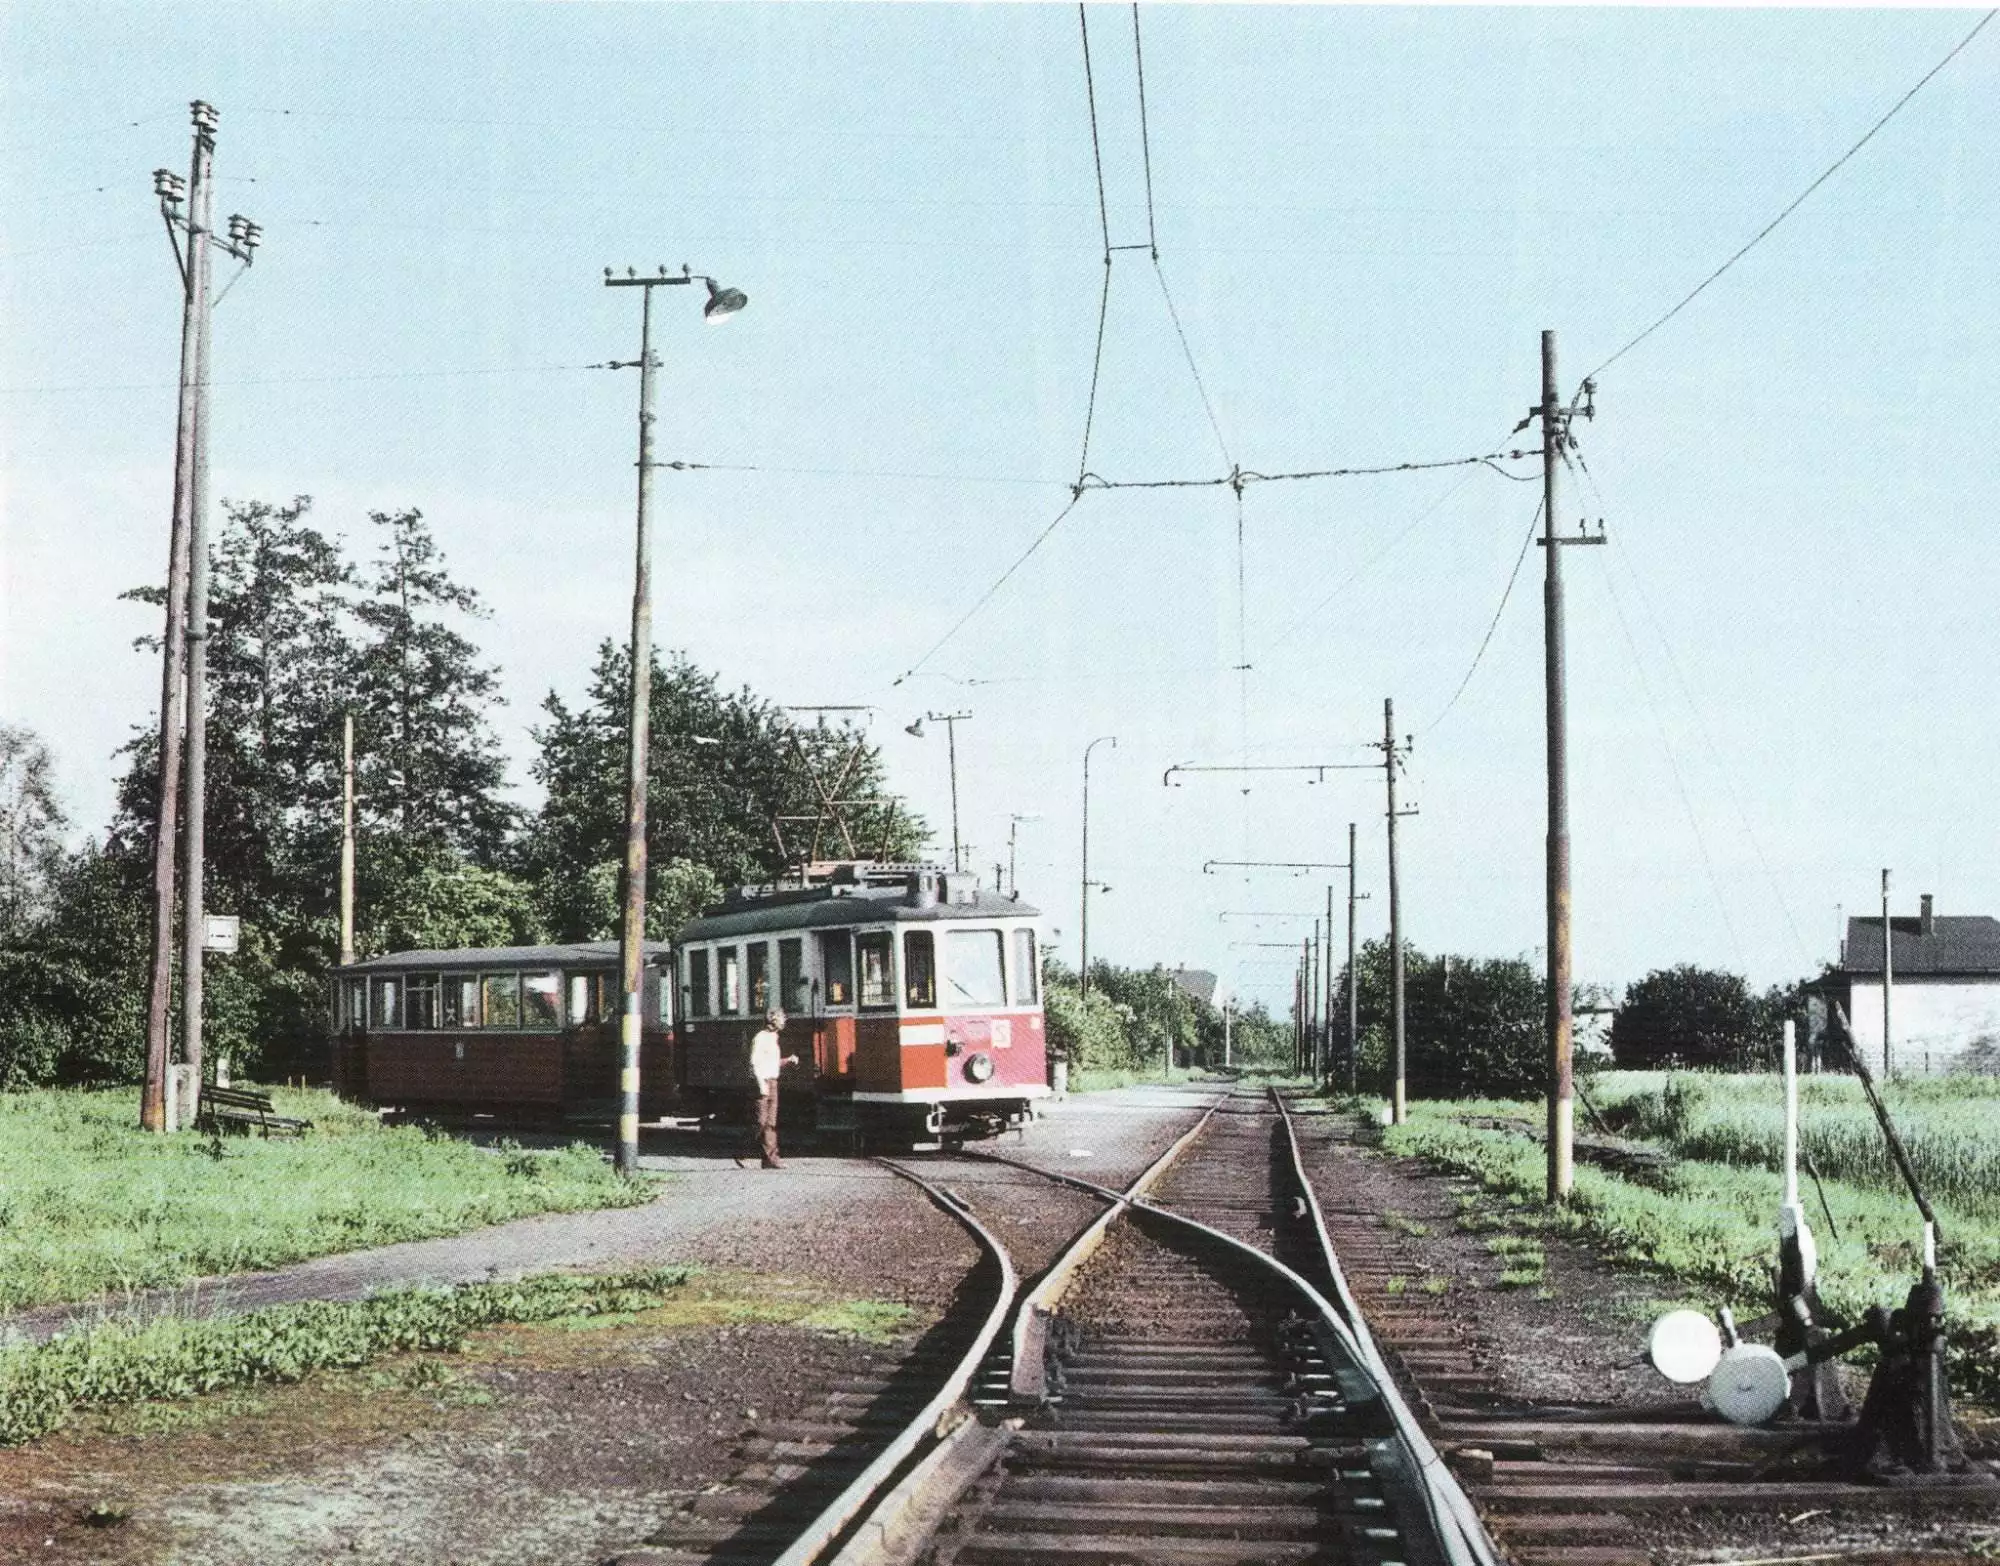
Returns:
(764, 1064)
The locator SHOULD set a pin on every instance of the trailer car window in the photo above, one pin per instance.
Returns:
(875, 953)
(836, 959)
(354, 994)
(972, 968)
(458, 996)
(697, 1003)
(1025, 975)
(500, 1000)
(919, 969)
(541, 1000)
(760, 977)
(421, 1001)
(730, 975)
(383, 1007)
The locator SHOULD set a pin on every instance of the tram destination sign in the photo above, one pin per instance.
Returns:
(221, 932)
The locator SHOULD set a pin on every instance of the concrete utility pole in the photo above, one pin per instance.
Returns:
(1888, 982)
(1556, 439)
(1312, 997)
(1083, 969)
(722, 302)
(1325, 1065)
(1399, 1108)
(347, 839)
(951, 721)
(173, 679)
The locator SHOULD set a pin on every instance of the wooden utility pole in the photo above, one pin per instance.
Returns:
(1353, 978)
(1556, 439)
(1888, 983)
(1325, 1063)
(1399, 1109)
(347, 840)
(173, 678)
(1312, 1000)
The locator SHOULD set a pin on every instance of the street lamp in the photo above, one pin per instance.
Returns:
(722, 303)
(1083, 972)
(951, 721)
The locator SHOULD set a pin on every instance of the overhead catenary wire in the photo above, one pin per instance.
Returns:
(1492, 625)
(1801, 198)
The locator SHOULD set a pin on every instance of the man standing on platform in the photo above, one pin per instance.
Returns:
(765, 1063)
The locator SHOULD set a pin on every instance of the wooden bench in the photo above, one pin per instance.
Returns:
(241, 1108)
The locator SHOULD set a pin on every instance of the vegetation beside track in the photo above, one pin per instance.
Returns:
(90, 1204)
(176, 1357)
(1708, 1224)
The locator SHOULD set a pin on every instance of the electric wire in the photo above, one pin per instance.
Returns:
(1802, 197)
(1096, 370)
(1674, 769)
(1624, 559)
(1494, 624)
(1193, 369)
(1096, 148)
(1145, 136)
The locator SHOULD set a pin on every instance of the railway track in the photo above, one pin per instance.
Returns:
(1219, 1370)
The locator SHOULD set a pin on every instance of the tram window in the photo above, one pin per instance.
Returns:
(836, 960)
(760, 977)
(663, 997)
(384, 1008)
(1025, 970)
(500, 1000)
(458, 1001)
(729, 979)
(697, 981)
(421, 1001)
(541, 1000)
(792, 992)
(581, 998)
(919, 968)
(354, 998)
(972, 968)
(875, 952)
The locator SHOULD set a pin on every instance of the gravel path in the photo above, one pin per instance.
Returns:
(841, 1220)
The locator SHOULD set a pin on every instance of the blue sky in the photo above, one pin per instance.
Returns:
(1780, 669)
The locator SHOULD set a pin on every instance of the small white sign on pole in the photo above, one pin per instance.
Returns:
(221, 932)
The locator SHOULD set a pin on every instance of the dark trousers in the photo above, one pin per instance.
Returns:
(764, 1122)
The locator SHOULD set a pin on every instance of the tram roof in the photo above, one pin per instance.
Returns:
(567, 954)
(825, 906)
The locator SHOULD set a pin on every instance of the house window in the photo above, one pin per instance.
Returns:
(1025, 972)
(972, 968)
(875, 955)
(792, 991)
(919, 969)
(458, 1001)
(836, 959)
(760, 977)
(541, 1001)
(697, 983)
(729, 975)
(421, 1001)
(500, 1000)
(383, 1004)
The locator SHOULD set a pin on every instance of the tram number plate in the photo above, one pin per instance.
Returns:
(1003, 1033)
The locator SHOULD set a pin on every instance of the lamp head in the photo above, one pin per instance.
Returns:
(722, 302)
(915, 730)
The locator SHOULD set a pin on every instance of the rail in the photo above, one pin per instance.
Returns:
(873, 1481)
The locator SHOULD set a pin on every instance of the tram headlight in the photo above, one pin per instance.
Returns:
(979, 1068)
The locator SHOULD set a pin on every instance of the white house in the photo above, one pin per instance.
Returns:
(1944, 991)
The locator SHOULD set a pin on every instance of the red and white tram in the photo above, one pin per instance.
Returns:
(914, 999)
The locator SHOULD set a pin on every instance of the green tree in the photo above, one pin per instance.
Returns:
(1472, 1025)
(430, 767)
(1690, 1016)
(32, 823)
(725, 770)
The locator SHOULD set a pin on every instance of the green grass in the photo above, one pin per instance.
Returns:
(174, 1358)
(1710, 1228)
(91, 1205)
(1950, 1125)
(1087, 1079)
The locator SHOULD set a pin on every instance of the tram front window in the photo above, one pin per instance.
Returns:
(972, 968)
(919, 969)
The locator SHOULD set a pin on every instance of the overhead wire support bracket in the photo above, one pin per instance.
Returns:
(1319, 768)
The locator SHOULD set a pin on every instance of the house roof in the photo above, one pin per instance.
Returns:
(1957, 944)
(570, 954)
(1198, 982)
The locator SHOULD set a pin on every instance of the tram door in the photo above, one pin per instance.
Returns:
(835, 990)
